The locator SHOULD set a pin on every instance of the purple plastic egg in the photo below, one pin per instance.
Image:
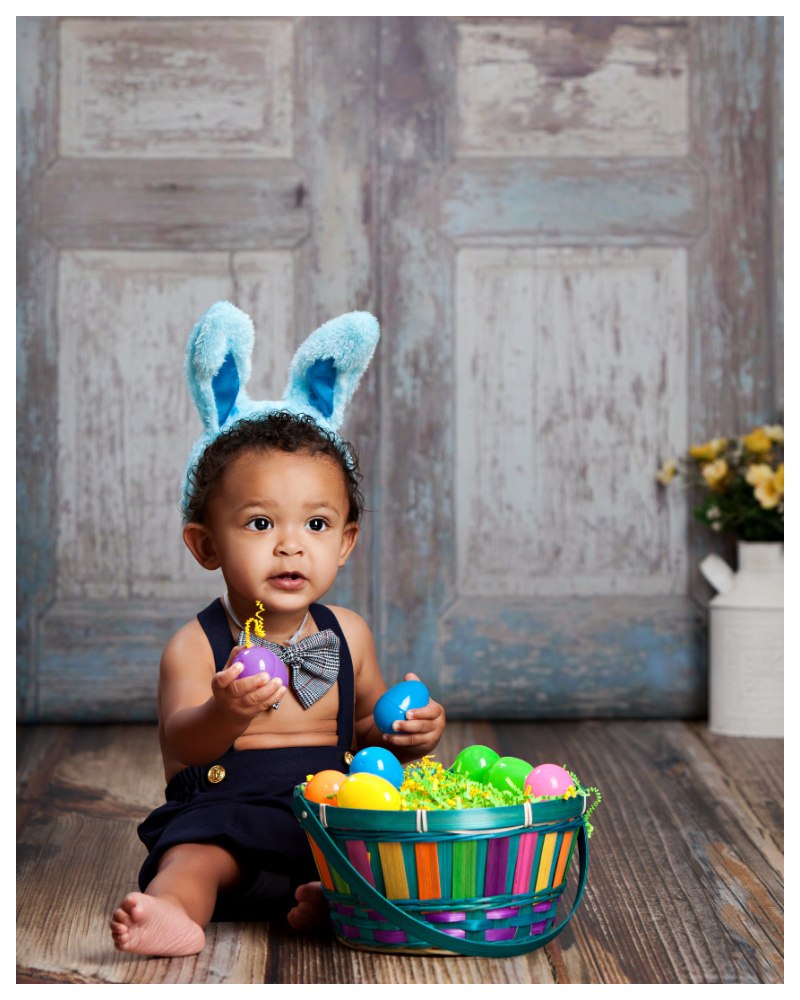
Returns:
(258, 660)
(548, 779)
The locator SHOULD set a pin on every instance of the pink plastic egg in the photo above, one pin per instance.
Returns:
(548, 779)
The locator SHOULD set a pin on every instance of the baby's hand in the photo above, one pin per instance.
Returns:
(424, 727)
(240, 700)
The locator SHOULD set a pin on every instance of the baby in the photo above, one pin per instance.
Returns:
(276, 505)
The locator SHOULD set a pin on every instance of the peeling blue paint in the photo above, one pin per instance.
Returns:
(598, 198)
(574, 657)
(99, 660)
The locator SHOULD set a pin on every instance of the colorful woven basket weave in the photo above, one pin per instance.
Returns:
(460, 881)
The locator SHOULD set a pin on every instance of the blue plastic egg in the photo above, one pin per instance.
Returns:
(392, 706)
(380, 761)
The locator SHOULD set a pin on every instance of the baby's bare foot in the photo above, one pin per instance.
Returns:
(311, 911)
(151, 925)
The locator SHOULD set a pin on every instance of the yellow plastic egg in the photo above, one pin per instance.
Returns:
(368, 791)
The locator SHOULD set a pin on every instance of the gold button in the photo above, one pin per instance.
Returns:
(216, 774)
(348, 758)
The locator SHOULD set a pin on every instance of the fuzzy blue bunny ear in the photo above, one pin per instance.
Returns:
(328, 365)
(323, 375)
(218, 363)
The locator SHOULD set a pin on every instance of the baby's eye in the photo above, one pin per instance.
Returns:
(259, 524)
(317, 524)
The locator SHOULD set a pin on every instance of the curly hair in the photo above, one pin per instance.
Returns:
(279, 430)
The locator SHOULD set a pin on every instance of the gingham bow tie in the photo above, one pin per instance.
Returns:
(314, 662)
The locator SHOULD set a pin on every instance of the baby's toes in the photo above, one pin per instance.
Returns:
(120, 937)
(121, 917)
(311, 891)
(128, 904)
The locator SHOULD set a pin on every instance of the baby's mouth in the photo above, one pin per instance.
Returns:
(288, 581)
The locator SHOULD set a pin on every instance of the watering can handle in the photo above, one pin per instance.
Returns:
(409, 923)
(718, 573)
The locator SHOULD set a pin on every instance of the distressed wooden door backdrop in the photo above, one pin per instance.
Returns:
(570, 230)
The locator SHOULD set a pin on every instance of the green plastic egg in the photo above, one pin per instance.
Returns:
(474, 762)
(508, 774)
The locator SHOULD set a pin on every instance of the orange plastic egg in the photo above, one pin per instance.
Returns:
(368, 791)
(323, 784)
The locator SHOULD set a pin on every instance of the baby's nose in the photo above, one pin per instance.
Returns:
(289, 544)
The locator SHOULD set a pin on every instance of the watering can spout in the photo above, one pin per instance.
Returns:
(718, 573)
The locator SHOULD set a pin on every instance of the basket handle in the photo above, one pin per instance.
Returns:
(420, 928)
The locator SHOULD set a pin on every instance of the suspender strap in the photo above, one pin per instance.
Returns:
(218, 632)
(325, 618)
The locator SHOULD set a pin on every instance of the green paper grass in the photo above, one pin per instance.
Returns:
(428, 785)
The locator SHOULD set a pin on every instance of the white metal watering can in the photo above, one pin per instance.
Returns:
(746, 640)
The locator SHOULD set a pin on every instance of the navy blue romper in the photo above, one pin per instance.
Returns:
(249, 812)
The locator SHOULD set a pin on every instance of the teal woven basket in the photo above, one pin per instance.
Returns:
(461, 881)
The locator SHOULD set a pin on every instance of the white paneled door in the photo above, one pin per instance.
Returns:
(569, 230)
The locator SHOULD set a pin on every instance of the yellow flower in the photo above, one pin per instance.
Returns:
(667, 471)
(715, 472)
(759, 474)
(706, 452)
(758, 443)
(774, 432)
(768, 486)
(767, 495)
(702, 452)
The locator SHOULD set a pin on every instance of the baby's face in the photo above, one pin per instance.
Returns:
(279, 526)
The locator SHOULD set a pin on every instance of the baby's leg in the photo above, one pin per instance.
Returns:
(168, 919)
(311, 910)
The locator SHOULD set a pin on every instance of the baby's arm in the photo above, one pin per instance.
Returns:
(422, 728)
(197, 726)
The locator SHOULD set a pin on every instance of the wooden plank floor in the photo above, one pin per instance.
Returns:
(685, 877)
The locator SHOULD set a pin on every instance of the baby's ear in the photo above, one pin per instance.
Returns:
(328, 365)
(218, 363)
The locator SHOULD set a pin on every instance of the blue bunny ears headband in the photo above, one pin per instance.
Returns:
(324, 373)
